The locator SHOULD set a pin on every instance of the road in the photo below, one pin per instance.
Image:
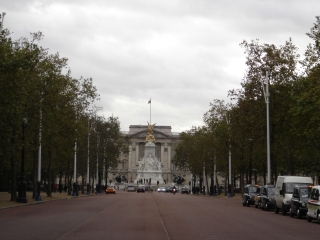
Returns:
(150, 216)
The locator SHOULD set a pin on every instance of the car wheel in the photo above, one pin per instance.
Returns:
(248, 204)
(318, 216)
(256, 206)
(259, 204)
(299, 214)
(261, 208)
(267, 207)
(276, 210)
(291, 213)
(309, 219)
(243, 203)
(283, 210)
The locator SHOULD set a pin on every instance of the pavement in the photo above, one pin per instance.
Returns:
(6, 203)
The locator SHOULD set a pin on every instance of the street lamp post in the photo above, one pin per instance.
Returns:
(230, 167)
(265, 87)
(97, 173)
(230, 179)
(88, 161)
(75, 183)
(105, 146)
(38, 197)
(250, 162)
(75, 187)
(204, 180)
(22, 196)
(214, 177)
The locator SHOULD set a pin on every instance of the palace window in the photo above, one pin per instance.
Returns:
(158, 150)
(141, 149)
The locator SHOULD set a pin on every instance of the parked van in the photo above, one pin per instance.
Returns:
(284, 191)
(314, 204)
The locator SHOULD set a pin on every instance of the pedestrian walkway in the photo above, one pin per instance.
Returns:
(5, 199)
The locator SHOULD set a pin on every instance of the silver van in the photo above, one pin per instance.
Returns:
(284, 191)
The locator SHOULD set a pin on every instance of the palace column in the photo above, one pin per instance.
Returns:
(163, 159)
(137, 154)
(169, 154)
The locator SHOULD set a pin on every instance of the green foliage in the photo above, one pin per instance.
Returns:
(38, 86)
(241, 127)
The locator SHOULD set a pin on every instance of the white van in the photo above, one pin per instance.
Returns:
(284, 190)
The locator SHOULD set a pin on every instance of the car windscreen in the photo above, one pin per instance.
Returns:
(271, 190)
(252, 189)
(290, 186)
(304, 193)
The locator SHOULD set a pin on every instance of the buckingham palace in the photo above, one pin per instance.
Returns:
(165, 143)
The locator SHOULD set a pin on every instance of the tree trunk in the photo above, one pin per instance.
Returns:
(69, 185)
(234, 185)
(13, 182)
(242, 182)
(225, 186)
(49, 175)
(218, 187)
(35, 168)
(13, 185)
(82, 183)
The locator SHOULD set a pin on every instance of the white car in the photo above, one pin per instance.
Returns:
(131, 188)
(161, 189)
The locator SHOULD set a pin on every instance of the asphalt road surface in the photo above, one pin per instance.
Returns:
(150, 216)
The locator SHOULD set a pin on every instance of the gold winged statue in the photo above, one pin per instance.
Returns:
(150, 136)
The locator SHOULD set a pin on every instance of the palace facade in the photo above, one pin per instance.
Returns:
(166, 141)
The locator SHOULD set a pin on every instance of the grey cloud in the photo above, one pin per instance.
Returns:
(182, 53)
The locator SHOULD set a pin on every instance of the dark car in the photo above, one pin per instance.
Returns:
(257, 201)
(299, 201)
(248, 196)
(148, 188)
(169, 189)
(185, 190)
(267, 197)
(141, 188)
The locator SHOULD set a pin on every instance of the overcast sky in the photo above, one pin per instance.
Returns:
(180, 53)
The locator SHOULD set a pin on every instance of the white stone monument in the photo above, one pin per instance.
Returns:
(150, 166)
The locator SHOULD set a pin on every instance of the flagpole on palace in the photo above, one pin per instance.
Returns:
(150, 109)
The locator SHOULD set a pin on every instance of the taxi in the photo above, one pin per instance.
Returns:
(248, 196)
(257, 196)
(299, 200)
(111, 189)
(313, 204)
